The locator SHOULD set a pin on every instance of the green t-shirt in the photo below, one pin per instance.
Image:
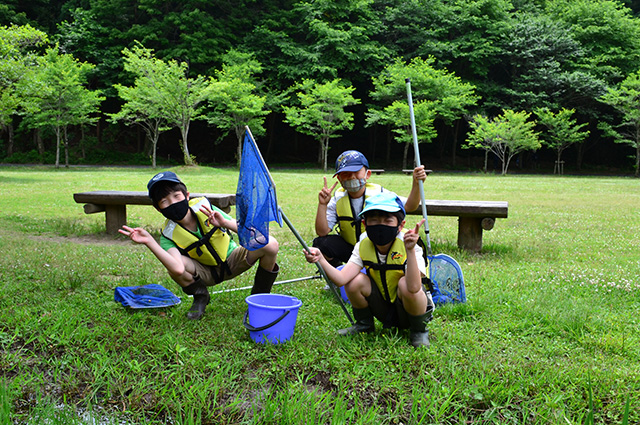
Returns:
(167, 243)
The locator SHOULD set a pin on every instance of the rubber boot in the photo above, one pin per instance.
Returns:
(263, 282)
(201, 298)
(364, 322)
(419, 335)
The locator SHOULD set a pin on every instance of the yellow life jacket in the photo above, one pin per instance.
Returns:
(386, 275)
(349, 226)
(211, 248)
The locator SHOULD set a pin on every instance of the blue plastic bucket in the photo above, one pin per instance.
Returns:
(271, 317)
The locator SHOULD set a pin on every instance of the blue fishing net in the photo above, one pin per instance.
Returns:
(447, 280)
(145, 296)
(256, 203)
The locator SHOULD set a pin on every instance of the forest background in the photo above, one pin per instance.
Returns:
(514, 55)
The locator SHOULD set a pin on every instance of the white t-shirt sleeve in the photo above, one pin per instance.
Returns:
(355, 255)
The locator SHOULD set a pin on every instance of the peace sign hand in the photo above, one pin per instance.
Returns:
(325, 194)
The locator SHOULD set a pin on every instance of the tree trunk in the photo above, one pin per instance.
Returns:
(325, 153)
(184, 131)
(66, 148)
(389, 139)
(405, 155)
(454, 142)
(486, 160)
(57, 147)
(637, 159)
(82, 149)
(10, 141)
(37, 136)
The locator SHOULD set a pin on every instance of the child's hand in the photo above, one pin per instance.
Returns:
(412, 236)
(325, 194)
(214, 217)
(419, 174)
(138, 235)
(313, 255)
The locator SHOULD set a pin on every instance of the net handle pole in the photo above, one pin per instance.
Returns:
(416, 151)
(332, 285)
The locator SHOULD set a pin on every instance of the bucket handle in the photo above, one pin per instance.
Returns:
(261, 328)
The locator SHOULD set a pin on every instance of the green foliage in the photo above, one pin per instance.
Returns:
(144, 99)
(563, 130)
(235, 101)
(606, 30)
(625, 98)
(320, 111)
(18, 53)
(55, 95)
(505, 135)
(464, 36)
(437, 94)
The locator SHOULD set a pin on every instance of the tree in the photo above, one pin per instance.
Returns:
(320, 112)
(606, 30)
(56, 96)
(505, 135)
(626, 100)
(143, 100)
(563, 130)
(177, 99)
(17, 56)
(234, 101)
(437, 94)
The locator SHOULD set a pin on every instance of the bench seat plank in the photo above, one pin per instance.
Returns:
(114, 204)
(473, 217)
(496, 209)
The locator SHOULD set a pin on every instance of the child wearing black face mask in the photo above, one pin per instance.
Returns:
(391, 290)
(195, 245)
(340, 212)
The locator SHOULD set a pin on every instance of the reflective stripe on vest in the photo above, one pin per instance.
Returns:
(351, 228)
(387, 275)
(211, 249)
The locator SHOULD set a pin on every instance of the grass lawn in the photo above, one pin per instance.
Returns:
(549, 334)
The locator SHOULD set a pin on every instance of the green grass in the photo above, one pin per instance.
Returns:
(549, 334)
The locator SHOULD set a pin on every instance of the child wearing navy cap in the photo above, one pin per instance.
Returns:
(341, 211)
(195, 246)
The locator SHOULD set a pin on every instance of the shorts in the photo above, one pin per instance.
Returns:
(392, 315)
(236, 263)
(334, 247)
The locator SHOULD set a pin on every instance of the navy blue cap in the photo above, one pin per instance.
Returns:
(164, 176)
(350, 161)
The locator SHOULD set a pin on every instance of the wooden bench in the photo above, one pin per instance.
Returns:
(473, 218)
(114, 204)
(378, 171)
(410, 171)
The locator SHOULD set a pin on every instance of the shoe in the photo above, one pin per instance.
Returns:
(201, 299)
(364, 322)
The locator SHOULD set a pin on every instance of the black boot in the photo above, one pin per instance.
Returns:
(419, 335)
(201, 298)
(364, 322)
(264, 279)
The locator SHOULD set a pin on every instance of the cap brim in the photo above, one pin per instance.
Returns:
(349, 168)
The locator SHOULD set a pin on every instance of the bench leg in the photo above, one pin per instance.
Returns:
(115, 217)
(470, 233)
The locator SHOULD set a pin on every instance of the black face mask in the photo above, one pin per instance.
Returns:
(381, 234)
(176, 211)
